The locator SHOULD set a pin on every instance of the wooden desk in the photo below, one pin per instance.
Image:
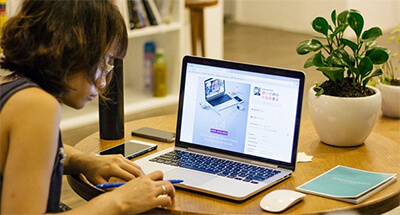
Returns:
(377, 154)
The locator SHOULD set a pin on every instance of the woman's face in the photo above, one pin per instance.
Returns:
(82, 89)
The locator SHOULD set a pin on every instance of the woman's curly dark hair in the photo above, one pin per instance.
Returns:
(50, 40)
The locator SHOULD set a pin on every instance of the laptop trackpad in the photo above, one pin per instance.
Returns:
(189, 177)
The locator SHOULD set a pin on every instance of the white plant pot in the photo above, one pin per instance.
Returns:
(344, 122)
(390, 100)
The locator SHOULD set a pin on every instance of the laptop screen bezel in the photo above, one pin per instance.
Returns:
(245, 67)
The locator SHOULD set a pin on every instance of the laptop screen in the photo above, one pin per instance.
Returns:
(262, 123)
(214, 87)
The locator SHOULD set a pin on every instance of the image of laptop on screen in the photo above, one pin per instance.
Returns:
(238, 153)
(215, 94)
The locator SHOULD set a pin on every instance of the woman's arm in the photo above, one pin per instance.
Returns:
(99, 169)
(31, 118)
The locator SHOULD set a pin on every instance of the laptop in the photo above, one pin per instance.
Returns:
(215, 94)
(244, 149)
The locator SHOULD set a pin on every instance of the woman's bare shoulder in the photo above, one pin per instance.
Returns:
(34, 96)
(33, 102)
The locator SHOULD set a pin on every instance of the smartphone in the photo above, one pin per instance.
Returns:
(238, 99)
(130, 149)
(154, 134)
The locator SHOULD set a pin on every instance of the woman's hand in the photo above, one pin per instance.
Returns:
(141, 192)
(100, 169)
(145, 193)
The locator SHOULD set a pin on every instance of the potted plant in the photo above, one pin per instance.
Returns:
(389, 82)
(343, 108)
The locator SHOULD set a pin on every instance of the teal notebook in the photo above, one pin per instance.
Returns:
(347, 184)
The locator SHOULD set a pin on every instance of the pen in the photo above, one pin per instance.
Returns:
(117, 184)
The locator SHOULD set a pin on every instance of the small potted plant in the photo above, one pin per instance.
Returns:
(389, 82)
(343, 108)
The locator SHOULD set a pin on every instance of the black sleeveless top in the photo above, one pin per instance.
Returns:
(7, 90)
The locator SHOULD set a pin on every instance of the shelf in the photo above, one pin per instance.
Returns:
(135, 102)
(152, 30)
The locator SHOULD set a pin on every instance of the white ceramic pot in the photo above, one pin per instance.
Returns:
(390, 100)
(341, 121)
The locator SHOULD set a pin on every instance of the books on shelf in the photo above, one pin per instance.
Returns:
(154, 9)
(166, 8)
(149, 12)
(347, 184)
(144, 13)
(134, 21)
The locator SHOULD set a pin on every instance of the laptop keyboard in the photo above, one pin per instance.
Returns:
(218, 166)
(219, 100)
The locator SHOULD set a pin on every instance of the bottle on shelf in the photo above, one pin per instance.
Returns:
(149, 58)
(3, 16)
(160, 74)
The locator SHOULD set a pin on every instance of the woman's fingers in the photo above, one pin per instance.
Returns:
(130, 171)
(164, 200)
(156, 175)
(122, 168)
(165, 188)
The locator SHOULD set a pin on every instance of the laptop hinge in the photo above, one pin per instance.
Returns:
(232, 158)
(263, 164)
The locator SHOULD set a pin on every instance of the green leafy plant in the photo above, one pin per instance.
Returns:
(348, 64)
(390, 71)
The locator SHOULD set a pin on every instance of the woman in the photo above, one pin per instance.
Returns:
(59, 52)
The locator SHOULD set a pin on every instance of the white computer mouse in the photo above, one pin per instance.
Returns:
(280, 200)
(203, 105)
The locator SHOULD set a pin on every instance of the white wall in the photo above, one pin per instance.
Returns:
(296, 15)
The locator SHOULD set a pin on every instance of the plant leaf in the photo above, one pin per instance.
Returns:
(390, 39)
(333, 73)
(307, 46)
(320, 25)
(352, 61)
(342, 18)
(318, 60)
(319, 92)
(377, 72)
(371, 34)
(309, 62)
(395, 30)
(378, 55)
(365, 67)
(333, 17)
(340, 58)
(369, 45)
(350, 44)
(356, 22)
(339, 29)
